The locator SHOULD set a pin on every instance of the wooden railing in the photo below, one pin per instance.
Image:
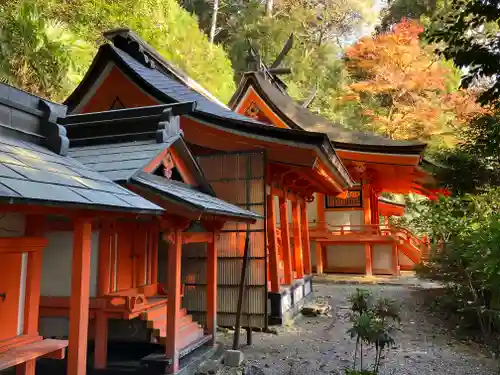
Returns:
(405, 236)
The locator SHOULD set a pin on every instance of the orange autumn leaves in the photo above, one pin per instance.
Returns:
(402, 86)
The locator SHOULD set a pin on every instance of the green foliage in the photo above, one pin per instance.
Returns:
(42, 36)
(37, 54)
(373, 323)
(467, 32)
(477, 156)
(419, 10)
(465, 234)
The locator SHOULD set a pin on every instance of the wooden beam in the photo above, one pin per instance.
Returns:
(297, 240)
(306, 245)
(367, 191)
(196, 237)
(79, 300)
(212, 288)
(174, 301)
(272, 239)
(285, 240)
(154, 254)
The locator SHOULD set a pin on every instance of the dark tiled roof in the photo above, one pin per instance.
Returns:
(301, 118)
(184, 193)
(31, 173)
(119, 161)
(177, 91)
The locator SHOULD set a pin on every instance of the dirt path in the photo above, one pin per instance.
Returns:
(320, 345)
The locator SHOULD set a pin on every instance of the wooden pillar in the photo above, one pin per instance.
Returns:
(34, 227)
(103, 267)
(174, 301)
(272, 239)
(367, 209)
(319, 258)
(297, 240)
(154, 255)
(320, 211)
(212, 288)
(395, 260)
(306, 245)
(79, 300)
(285, 240)
(101, 340)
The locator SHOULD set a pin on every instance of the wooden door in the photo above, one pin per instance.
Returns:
(11, 271)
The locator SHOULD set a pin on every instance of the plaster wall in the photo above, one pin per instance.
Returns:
(56, 276)
(382, 256)
(345, 255)
(56, 264)
(344, 217)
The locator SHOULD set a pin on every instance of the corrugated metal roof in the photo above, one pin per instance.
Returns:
(178, 91)
(29, 172)
(119, 161)
(184, 193)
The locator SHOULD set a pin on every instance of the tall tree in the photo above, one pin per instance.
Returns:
(402, 87)
(468, 34)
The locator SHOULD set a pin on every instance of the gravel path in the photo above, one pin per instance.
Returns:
(320, 345)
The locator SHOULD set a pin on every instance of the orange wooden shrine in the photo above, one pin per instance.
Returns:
(269, 170)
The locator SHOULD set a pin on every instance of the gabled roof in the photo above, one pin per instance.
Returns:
(120, 158)
(142, 135)
(300, 118)
(156, 78)
(198, 201)
(31, 173)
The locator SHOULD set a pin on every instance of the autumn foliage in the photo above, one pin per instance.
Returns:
(402, 87)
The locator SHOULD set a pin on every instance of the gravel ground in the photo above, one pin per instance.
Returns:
(320, 345)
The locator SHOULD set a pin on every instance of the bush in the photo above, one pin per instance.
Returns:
(373, 322)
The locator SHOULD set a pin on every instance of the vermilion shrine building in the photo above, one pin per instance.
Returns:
(148, 192)
(345, 229)
(92, 235)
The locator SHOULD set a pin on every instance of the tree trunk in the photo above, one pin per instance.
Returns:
(213, 27)
(269, 8)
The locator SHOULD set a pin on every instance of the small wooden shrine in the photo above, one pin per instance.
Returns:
(40, 186)
(344, 228)
(272, 171)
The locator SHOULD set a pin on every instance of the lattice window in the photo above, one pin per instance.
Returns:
(352, 199)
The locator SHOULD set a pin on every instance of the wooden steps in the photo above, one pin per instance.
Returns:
(410, 251)
(190, 331)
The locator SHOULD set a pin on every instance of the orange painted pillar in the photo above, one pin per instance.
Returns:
(320, 210)
(297, 240)
(319, 258)
(306, 245)
(174, 301)
(79, 300)
(101, 340)
(395, 259)
(272, 239)
(367, 210)
(285, 240)
(103, 267)
(212, 288)
(34, 227)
